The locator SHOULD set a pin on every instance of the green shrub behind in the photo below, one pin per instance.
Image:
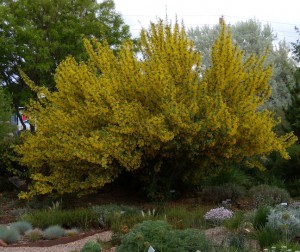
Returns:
(266, 195)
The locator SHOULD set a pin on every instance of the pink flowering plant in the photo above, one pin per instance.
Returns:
(216, 216)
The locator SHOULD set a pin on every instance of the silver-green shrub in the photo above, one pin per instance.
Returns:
(286, 220)
(9, 235)
(54, 232)
(21, 226)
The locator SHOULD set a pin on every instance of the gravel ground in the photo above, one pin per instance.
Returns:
(77, 245)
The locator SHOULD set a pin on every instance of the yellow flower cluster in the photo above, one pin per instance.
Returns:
(115, 112)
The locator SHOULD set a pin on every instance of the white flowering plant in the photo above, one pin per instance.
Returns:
(218, 215)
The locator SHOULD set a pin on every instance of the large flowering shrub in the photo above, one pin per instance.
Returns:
(218, 215)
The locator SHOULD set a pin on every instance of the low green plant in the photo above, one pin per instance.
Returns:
(266, 195)
(91, 246)
(9, 235)
(236, 240)
(53, 232)
(21, 226)
(145, 234)
(160, 236)
(34, 234)
(181, 218)
(186, 240)
(267, 237)
(82, 218)
(116, 238)
(235, 221)
(260, 217)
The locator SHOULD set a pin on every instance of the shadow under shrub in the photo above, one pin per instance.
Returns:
(217, 194)
(114, 216)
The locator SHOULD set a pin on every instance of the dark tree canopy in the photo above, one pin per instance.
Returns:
(35, 35)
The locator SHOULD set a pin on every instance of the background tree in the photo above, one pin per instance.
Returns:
(289, 170)
(292, 112)
(35, 35)
(252, 37)
(6, 140)
(5, 115)
(154, 114)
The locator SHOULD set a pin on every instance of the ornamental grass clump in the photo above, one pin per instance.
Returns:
(9, 235)
(34, 234)
(216, 216)
(21, 226)
(54, 232)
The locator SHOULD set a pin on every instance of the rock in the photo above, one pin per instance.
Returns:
(295, 204)
(2, 243)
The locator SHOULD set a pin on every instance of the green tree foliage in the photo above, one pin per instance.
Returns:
(252, 37)
(293, 110)
(289, 170)
(35, 35)
(292, 113)
(8, 164)
(153, 112)
(5, 115)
